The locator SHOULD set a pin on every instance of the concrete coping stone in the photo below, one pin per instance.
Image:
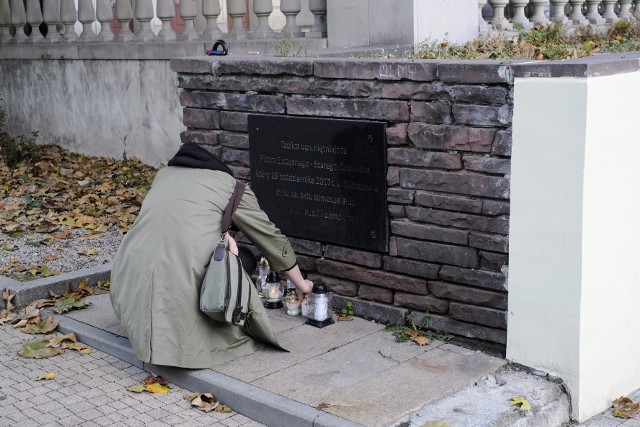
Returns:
(26, 292)
(449, 71)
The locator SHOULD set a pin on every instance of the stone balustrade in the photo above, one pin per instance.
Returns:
(85, 21)
(503, 14)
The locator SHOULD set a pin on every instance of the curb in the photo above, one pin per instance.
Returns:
(25, 292)
(258, 404)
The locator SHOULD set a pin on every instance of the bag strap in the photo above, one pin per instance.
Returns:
(234, 201)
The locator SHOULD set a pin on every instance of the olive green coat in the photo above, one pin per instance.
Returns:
(157, 272)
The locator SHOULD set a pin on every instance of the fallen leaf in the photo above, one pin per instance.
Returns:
(436, 424)
(59, 339)
(205, 402)
(5, 316)
(62, 305)
(623, 407)
(222, 408)
(420, 340)
(411, 333)
(7, 297)
(47, 377)
(88, 252)
(157, 388)
(43, 327)
(38, 350)
(523, 402)
(154, 379)
(344, 317)
(138, 388)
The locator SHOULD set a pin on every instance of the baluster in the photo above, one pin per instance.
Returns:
(51, 16)
(636, 6)
(558, 15)
(5, 21)
(518, 13)
(609, 14)
(104, 15)
(87, 16)
(593, 15)
(319, 10)
(188, 12)
(144, 15)
(211, 11)
(483, 27)
(576, 17)
(166, 11)
(18, 19)
(625, 10)
(262, 9)
(237, 9)
(538, 16)
(499, 21)
(124, 15)
(34, 18)
(291, 9)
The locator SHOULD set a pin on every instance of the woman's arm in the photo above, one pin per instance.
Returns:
(302, 285)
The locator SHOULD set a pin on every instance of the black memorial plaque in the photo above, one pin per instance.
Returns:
(322, 179)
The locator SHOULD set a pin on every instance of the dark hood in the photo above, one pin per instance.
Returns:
(191, 155)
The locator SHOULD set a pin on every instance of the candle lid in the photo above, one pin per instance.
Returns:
(273, 276)
(319, 288)
(264, 263)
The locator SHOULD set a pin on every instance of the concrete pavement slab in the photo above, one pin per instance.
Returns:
(303, 342)
(487, 404)
(384, 398)
(312, 380)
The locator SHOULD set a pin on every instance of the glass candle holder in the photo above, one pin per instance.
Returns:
(273, 291)
(293, 305)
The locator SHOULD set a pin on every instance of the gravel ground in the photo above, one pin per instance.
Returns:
(60, 256)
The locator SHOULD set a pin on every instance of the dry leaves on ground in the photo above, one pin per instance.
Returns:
(206, 402)
(521, 402)
(151, 384)
(53, 346)
(623, 407)
(52, 191)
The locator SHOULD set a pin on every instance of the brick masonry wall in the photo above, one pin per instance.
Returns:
(448, 153)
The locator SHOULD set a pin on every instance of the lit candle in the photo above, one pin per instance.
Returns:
(273, 293)
(293, 306)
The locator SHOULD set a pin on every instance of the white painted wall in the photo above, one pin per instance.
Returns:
(93, 106)
(574, 278)
(453, 20)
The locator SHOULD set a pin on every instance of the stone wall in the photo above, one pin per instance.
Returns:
(448, 135)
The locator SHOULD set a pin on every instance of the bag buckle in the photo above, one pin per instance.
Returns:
(238, 315)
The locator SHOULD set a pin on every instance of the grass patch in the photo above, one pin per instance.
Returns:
(551, 42)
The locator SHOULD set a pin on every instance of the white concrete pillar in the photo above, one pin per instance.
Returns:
(518, 13)
(291, 9)
(144, 15)
(609, 14)
(538, 16)
(576, 17)
(124, 15)
(34, 18)
(592, 12)
(625, 10)
(166, 11)
(319, 10)
(574, 235)
(5, 21)
(237, 9)
(104, 15)
(558, 14)
(18, 16)
(51, 16)
(87, 16)
(211, 10)
(499, 21)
